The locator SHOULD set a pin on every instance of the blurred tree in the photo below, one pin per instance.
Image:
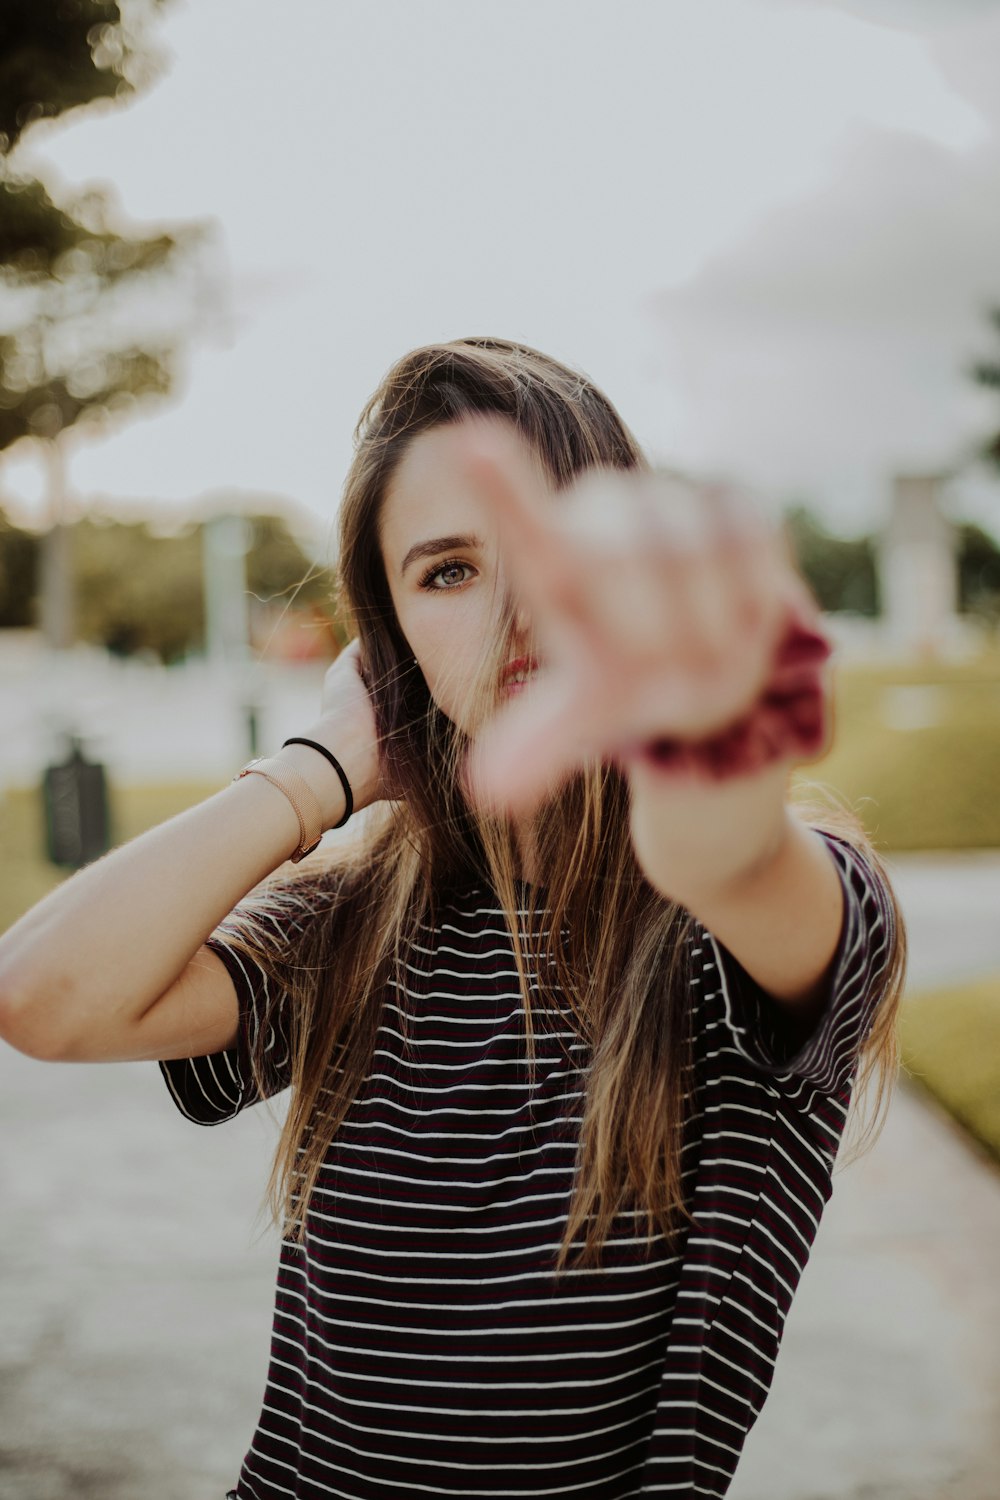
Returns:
(277, 566)
(294, 611)
(18, 575)
(986, 372)
(54, 57)
(77, 339)
(842, 572)
(139, 592)
(978, 573)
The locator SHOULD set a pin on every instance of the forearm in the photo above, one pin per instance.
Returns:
(106, 943)
(695, 836)
(763, 882)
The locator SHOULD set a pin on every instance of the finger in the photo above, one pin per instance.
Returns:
(537, 550)
(544, 567)
(528, 751)
(513, 483)
(659, 589)
(751, 548)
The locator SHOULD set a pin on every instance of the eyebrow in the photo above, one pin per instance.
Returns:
(436, 545)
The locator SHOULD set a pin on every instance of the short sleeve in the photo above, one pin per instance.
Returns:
(209, 1090)
(826, 1062)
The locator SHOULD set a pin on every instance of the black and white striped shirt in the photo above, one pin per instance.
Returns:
(421, 1343)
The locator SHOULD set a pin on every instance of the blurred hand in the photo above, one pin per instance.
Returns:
(656, 607)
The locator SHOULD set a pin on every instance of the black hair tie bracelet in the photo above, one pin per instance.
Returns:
(348, 794)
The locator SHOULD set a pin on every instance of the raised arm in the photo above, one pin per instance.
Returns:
(111, 965)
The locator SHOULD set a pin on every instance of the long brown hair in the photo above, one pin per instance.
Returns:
(332, 934)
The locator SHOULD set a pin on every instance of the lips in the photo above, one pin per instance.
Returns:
(514, 669)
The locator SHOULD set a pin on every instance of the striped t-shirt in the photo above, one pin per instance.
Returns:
(421, 1342)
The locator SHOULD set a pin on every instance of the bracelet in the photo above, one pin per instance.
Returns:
(299, 793)
(348, 794)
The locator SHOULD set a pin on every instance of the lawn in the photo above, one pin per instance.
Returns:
(25, 873)
(916, 752)
(951, 1047)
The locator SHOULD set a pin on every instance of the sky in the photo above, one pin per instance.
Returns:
(768, 229)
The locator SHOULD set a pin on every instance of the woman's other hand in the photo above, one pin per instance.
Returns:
(346, 727)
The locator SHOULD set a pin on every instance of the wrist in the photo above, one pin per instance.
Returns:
(692, 836)
(338, 771)
(311, 763)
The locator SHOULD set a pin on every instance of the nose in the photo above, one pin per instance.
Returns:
(514, 612)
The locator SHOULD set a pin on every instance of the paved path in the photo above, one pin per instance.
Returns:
(952, 907)
(888, 1382)
(134, 1307)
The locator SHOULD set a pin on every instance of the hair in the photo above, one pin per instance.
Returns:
(334, 935)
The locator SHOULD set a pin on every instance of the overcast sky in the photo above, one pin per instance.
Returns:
(768, 228)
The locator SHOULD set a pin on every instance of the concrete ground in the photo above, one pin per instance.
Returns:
(135, 1307)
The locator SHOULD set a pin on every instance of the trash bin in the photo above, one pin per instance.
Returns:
(75, 796)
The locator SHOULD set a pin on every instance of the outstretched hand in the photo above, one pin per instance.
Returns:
(656, 606)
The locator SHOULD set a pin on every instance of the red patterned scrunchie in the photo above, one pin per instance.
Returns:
(789, 720)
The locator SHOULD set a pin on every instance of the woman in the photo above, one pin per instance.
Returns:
(571, 1023)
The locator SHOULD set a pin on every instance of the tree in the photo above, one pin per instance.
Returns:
(18, 575)
(842, 573)
(76, 340)
(986, 372)
(60, 358)
(978, 573)
(139, 592)
(55, 57)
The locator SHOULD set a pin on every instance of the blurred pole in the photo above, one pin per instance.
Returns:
(74, 791)
(56, 580)
(919, 566)
(227, 615)
(225, 544)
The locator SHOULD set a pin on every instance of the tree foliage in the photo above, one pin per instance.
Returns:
(986, 372)
(978, 572)
(18, 575)
(842, 573)
(56, 57)
(76, 338)
(138, 592)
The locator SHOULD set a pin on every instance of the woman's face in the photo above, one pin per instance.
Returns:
(440, 549)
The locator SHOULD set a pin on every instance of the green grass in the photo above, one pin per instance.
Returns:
(951, 1046)
(25, 873)
(933, 787)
